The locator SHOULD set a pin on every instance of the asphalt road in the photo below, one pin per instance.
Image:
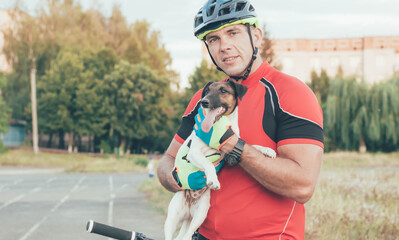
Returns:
(42, 204)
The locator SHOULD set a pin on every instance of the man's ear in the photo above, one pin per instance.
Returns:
(205, 88)
(239, 89)
(257, 36)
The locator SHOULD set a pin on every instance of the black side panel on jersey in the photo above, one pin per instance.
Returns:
(280, 125)
(269, 122)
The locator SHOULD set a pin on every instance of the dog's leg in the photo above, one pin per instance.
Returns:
(197, 157)
(265, 150)
(177, 211)
(198, 212)
(183, 229)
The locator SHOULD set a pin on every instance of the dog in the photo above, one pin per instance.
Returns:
(189, 208)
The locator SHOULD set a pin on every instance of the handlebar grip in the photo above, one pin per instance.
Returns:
(112, 232)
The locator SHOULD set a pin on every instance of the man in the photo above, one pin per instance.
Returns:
(260, 197)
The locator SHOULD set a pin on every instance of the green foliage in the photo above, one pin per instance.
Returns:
(320, 84)
(141, 161)
(4, 116)
(3, 149)
(4, 110)
(63, 25)
(266, 51)
(383, 116)
(202, 75)
(135, 101)
(346, 114)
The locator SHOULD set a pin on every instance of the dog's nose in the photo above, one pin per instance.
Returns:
(204, 103)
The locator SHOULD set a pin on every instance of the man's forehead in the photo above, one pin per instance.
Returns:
(225, 29)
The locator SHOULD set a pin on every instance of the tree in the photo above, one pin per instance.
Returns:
(346, 114)
(135, 101)
(266, 50)
(203, 74)
(4, 110)
(59, 95)
(320, 86)
(64, 41)
(383, 115)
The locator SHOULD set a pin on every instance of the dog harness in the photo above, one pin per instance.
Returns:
(276, 110)
(184, 169)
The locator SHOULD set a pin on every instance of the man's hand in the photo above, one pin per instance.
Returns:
(219, 133)
(188, 176)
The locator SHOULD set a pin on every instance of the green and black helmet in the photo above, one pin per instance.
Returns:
(217, 14)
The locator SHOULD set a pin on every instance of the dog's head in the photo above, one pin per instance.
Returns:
(221, 97)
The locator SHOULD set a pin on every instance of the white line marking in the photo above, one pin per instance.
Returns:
(55, 208)
(7, 186)
(122, 187)
(12, 201)
(111, 201)
(33, 229)
(38, 189)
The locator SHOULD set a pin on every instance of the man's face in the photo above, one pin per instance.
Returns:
(231, 48)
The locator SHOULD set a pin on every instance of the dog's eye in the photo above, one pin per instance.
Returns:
(222, 90)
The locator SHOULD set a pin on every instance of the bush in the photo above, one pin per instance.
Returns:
(141, 161)
(3, 148)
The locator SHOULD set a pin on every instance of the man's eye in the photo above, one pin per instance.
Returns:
(212, 40)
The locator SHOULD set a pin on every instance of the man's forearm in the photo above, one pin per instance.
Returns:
(292, 174)
(165, 167)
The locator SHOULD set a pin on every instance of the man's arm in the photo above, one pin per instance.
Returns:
(293, 173)
(165, 167)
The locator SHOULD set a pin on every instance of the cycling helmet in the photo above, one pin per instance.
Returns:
(216, 14)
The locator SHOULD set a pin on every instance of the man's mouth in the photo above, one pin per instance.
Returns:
(229, 59)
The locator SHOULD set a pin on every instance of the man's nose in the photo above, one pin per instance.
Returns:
(225, 43)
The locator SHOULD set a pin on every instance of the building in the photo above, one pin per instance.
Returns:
(15, 135)
(370, 58)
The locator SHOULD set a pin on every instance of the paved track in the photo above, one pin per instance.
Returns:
(38, 204)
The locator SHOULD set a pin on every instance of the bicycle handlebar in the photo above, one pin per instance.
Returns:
(113, 232)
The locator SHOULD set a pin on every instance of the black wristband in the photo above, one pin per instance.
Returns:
(234, 157)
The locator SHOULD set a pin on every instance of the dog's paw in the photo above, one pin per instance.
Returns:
(213, 184)
(266, 151)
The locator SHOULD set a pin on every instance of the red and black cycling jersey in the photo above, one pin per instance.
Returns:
(276, 110)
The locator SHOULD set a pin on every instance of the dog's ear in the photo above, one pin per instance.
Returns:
(205, 88)
(238, 88)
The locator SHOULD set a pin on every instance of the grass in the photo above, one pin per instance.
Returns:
(73, 162)
(357, 197)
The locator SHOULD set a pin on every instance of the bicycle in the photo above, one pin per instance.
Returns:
(113, 232)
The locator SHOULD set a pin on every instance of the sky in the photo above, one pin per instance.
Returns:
(310, 19)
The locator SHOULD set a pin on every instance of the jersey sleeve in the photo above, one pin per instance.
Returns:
(299, 115)
(188, 121)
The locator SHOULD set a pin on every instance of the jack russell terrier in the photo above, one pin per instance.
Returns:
(189, 208)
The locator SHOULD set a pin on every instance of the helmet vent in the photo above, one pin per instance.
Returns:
(224, 11)
(251, 8)
(210, 11)
(198, 21)
(240, 7)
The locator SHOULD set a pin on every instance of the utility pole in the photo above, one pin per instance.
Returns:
(35, 135)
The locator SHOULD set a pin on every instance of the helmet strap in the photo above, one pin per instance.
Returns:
(213, 60)
(249, 67)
